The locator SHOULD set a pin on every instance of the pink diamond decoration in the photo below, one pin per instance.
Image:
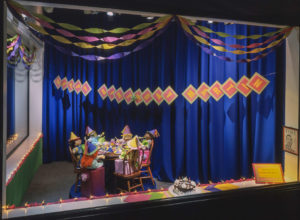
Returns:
(86, 88)
(147, 96)
(71, 86)
(157, 96)
(77, 86)
(258, 83)
(138, 97)
(119, 95)
(190, 94)
(64, 83)
(215, 91)
(242, 86)
(57, 81)
(111, 93)
(128, 94)
(103, 91)
(229, 88)
(202, 92)
(169, 95)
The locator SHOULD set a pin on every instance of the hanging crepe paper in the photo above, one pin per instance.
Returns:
(169, 95)
(77, 86)
(157, 96)
(222, 49)
(64, 84)
(190, 94)
(215, 91)
(147, 96)
(229, 88)
(111, 93)
(202, 92)
(57, 82)
(71, 86)
(138, 97)
(103, 91)
(86, 88)
(242, 86)
(128, 96)
(258, 83)
(119, 95)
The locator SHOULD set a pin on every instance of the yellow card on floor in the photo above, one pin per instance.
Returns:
(268, 173)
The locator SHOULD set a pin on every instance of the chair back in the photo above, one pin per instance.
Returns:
(148, 161)
(132, 157)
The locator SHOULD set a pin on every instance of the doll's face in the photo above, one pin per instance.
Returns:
(78, 142)
(147, 136)
(127, 137)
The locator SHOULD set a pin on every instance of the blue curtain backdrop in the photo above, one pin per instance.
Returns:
(10, 100)
(205, 141)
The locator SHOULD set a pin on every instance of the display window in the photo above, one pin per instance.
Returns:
(122, 107)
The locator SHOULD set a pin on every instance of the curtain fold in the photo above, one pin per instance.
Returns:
(204, 140)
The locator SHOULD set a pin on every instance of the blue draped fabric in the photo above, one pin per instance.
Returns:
(214, 140)
(10, 100)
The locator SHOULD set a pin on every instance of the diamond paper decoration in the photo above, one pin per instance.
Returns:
(157, 96)
(229, 88)
(215, 91)
(147, 96)
(128, 94)
(190, 94)
(57, 81)
(242, 86)
(77, 86)
(119, 95)
(64, 84)
(111, 93)
(202, 92)
(103, 91)
(86, 88)
(71, 86)
(258, 83)
(169, 95)
(138, 97)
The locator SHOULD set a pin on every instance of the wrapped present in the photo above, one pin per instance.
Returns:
(119, 167)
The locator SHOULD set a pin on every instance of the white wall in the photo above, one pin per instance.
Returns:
(292, 98)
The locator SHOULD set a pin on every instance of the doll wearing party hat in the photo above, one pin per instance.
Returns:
(126, 133)
(74, 143)
(92, 136)
(148, 138)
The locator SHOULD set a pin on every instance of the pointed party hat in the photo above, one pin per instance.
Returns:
(126, 130)
(154, 133)
(91, 148)
(133, 142)
(89, 131)
(73, 137)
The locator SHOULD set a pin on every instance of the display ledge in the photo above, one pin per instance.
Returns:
(280, 201)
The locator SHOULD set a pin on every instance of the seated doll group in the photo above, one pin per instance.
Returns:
(90, 154)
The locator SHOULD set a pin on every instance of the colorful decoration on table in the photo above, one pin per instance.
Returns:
(71, 86)
(169, 95)
(77, 86)
(128, 96)
(111, 93)
(242, 86)
(229, 88)
(86, 88)
(158, 96)
(258, 83)
(103, 91)
(202, 92)
(147, 96)
(138, 97)
(119, 95)
(190, 94)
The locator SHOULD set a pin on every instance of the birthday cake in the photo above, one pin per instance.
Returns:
(183, 185)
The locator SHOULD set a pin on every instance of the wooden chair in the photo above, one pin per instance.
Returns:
(145, 166)
(131, 175)
(77, 169)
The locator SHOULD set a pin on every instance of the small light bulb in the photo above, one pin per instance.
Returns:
(210, 22)
(149, 18)
(110, 13)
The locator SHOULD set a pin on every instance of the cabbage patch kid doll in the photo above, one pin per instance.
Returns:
(74, 143)
(146, 144)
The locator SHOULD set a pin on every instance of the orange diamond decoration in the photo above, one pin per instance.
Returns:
(64, 83)
(128, 94)
(242, 86)
(57, 81)
(147, 96)
(202, 92)
(86, 88)
(111, 93)
(138, 97)
(190, 94)
(215, 91)
(103, 91)
(77, 86)
(119, 95)
(71, 85)
(157, 96)
(258, 83)
(229, 88)
(169, 95)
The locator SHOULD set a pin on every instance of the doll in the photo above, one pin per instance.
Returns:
(148, 138)
(90, 158)
(74, 143)
(126, 133)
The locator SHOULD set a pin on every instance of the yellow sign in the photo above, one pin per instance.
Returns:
(268, 173)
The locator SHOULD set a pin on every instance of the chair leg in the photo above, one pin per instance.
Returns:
(150, 173)
(141, 182)
(128, 184)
